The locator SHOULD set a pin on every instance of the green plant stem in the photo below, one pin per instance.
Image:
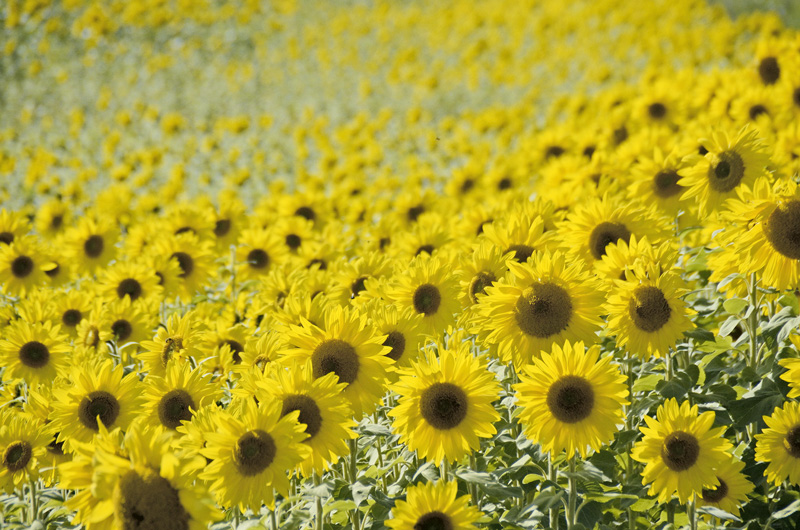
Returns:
(552, 470)
(691, 511)
(356, 515)
(573, 493)
(753, 322)
(444, 471)
(235, 517)
(273, 518)
(318, 503)
(34, 503)
(384, 485)
(668, 361)
(670, 513)
(473, 488)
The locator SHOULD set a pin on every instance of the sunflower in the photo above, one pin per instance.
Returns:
(22, 266)
(230, 219)
(428, 288)
(258, 252)
(176, 397)
(680, 451)
(127, 321)
(771, 215)
(545, 302)
(129, 279)
(194, 258)
(294, 232)
(349, 279)
(646, 313)
(52, 218)
(779, 444)
(13, 225)
(621, 257)
(792, 375)
(90, 245)
(260, 352)
(39, 406)
(571, 399)
(100, 394)
(486, 265)
(36, 352)
(324, 412)
(731, 161)
(519, 234)
(434, 506)
(595, 224)
(348, 347)
(445, 404)
(732, 490)
(402, 330)
(656, 181)
(22, 446)
(224, 344)
(136, 482)
(92, 335)
(253, 454)
(178, 340)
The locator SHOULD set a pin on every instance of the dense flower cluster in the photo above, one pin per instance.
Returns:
(398, 264)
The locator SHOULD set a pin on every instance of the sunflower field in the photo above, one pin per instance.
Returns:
(407, 265)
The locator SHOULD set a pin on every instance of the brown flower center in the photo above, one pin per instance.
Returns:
(175, 407)
(680, 451)
(571, 399)
(17, 455)
(604, 234)
(310, 414)
(427, 299)
(93, 246)
(254, 452)
(98, 404)
(336, 356)
(543, 310)
(129, 287)
(782, 229)
(34, 354)
(727, 173)
(648, 308)
(147, 501)
(443, 405)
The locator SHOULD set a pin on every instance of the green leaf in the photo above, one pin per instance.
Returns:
(647, 383)
(790, 300)
(786, 512)
(642, 505)
(699, 335)
(734, 306)
(719, 514)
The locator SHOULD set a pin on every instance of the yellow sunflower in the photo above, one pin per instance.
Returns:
(13, 226)
(779, 444)
(22, 446)
(348, 347)
(129, 279)
(22, 266)
(445, 404)
(177, 341)
(680, 451)
(127, 321)
(90, 244)
(595, 224)
(253, 454)
(486, 265)
(99, 394)
(434, 506)
(732, 490)
(731, 161)
(259, 251)
(350, 278)
(572, 399)
(770, 217)
(176, 397)
(37, 353)
(519, 234)
(402, 330)
(136, 482)
(621, 257)
(545, 302)
(71, 307)
(195, 258)
(323, 410)
(646, 313)
(656, 181)
(428, 287)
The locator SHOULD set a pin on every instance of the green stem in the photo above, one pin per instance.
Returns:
(444, 471)
(318, 503)
(753, 321)
(552, 470)
(670, 513)
(668, 361)
(384, 486)
(34, 503)
(356, 515)
(691, 511)
(573, 494)
(273, 518)
(473, 488)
